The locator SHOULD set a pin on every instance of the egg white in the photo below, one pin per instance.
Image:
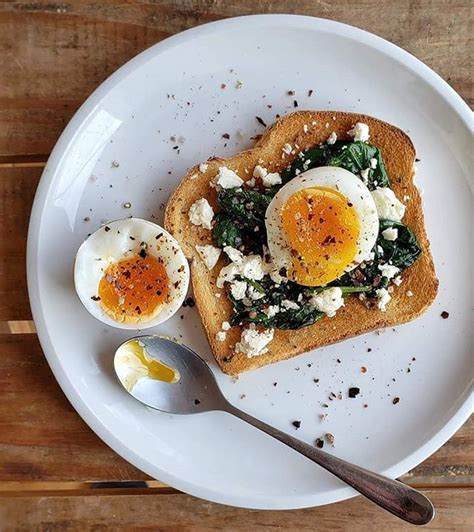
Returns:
(332, 177)
(114, 242)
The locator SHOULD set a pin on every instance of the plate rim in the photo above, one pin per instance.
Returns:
(463, 406)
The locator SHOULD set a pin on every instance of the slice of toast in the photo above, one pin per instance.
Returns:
(303, 129)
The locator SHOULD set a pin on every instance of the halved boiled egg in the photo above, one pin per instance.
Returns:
(321, 224)
(131, 274)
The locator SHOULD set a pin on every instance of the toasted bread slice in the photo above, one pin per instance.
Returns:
(304, 129)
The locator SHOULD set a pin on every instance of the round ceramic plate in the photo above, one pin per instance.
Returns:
(131, 142)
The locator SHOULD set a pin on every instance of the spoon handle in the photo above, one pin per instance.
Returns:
(392, 495)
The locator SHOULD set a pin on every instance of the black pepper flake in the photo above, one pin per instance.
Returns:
(291, 93)
(275, 383)
(107, 228)
(354, 392)
(296, 424)
(369, 349)
(445, 315)
(189, 302)
(261, 121)
(310, 93)
(197, 402)
(316, 380)
(396, 400)
(338, 360)
(319, 443)
(295, 103)
(95, 298)
(132, 238)
(417, 160)
(143, 253)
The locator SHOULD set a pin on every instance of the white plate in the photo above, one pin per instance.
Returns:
(174, 89)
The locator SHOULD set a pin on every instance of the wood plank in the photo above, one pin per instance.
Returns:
(43, 439)
(181, 512)
(68, 49)
(17, 188)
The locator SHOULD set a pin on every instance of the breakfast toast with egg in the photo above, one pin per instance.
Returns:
(301, 131)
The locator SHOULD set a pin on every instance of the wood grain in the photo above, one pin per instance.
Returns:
(181, 512)
(69, 48)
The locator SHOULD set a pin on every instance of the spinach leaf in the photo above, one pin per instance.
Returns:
(403, 251)
(226, 232)
(316, 156)
(296, 318)
(246, 206)
(355, 157)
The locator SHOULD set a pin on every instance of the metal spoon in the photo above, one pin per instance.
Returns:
(194, 390)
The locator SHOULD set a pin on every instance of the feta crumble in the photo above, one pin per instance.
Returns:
(227, 178)
(287, 304)
(203, 167)
(209, 255)
(287, 148)
(397, 281)
(268, 178)
(332, 138)
(328, 301)
(201, 213)
(272, 310)
(221, 336)
(383, 298)
(238, 289)
(373, 163)
(252, 267)
(365, 175)
(391, 233)
(388, 270)
(253, 342)
(234, 254)
(389, 207)
(225, 326)
(360, 132)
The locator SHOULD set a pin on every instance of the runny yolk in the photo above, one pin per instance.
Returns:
(134, 288)
(322, 228)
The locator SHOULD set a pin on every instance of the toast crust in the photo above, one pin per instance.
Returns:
(212, 303)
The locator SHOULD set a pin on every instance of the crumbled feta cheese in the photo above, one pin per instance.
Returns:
(287, 148)
(360, 132)
(383, 298)
(221, 336)
(391, 233)
(328, 301)
(305, 128)
(409, 293)
(406, 197)
(388, 270)
(227, 178)
(379, 250)
(193, 176)
(268, 179)
(225, 326)
(250, 182)
(203, 167)
(373, 163)
(365, 175)
(286, 303)
(389, 207)
(252, 267)
(234, 254)
(209, 255)
(254, 294)
(332, 138)
(253, 342)
(201, 213)
(397, 281)
(227, 274)
(272, 310)
(238, 289)
(370, 256)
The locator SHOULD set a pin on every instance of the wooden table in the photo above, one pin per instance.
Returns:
(52, 55)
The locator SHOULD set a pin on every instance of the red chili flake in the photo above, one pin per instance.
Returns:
(226, 136)
(445, 315)
(319, 443)
(291, 93)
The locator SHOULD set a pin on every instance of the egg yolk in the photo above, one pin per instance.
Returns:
(133, 289)
(322, 228)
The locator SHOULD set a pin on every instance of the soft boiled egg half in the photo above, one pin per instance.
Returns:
(131, 274)
(321, 224)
